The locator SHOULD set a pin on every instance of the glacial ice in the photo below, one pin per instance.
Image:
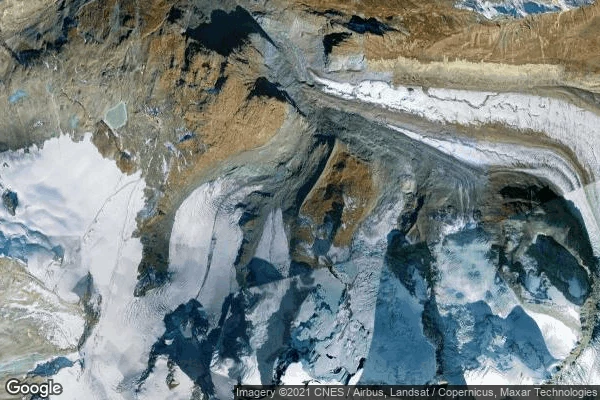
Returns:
(573, 127)
(273, 245)
(88, 211)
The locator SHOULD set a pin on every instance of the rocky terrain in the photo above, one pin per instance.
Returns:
(196, 194)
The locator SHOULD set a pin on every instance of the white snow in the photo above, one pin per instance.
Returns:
(517, 8)
(273, 245)
(559, 338)
(155, 386)
(74, 198)
(466, 275)
(586, 200)
(204, 244)
(61, 186)
(90, 211)
(514, 372)
(117, 352)
(556, 301)
(374, 230)
(63, 189)
(586, 370)
(295, 375)
(271, 295)
(118, 346)
(537, 161)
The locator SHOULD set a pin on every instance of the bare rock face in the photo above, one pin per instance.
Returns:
(10, 201)
(336, 205)
(287, 191)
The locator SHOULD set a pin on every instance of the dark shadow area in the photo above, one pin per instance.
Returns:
(371, 25)
(226, 32)
(333, 39)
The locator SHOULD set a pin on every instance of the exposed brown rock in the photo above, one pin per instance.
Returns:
(344, 195)
(100, 19)
(222, 123)
(569, 38)
(226, 126)
(436, 30)
(434, 43)
(108, 145)
(417, 25)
